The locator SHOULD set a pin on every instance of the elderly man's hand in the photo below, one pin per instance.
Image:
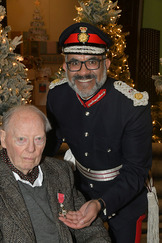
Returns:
(83, 217)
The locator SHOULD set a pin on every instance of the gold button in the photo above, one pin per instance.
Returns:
(86, 154)
(86, 134)
(138, 96)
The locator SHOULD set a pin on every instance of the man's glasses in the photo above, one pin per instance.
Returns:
(75, 65)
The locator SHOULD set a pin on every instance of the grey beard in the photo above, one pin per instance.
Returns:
(97, 86)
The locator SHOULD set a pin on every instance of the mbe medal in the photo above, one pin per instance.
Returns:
(61, 198)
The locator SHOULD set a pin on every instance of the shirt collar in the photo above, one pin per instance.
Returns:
(37, 182)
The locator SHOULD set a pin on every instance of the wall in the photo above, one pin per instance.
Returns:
(152, 18)
(57, 15)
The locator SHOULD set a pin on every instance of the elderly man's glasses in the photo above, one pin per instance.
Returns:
(75, 65)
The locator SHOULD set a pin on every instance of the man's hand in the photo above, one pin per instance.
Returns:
(83, 217)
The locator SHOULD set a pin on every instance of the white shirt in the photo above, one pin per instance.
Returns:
(37, 182)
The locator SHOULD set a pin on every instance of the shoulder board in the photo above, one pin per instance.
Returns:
(57, 82)
(139, 98)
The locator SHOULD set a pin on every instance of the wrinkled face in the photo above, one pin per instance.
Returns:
(24, 140)
(86, 82)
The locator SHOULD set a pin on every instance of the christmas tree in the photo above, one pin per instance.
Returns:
(36, 31)
(158, 81)
(104, 14)
(14, 85)
(156, 112)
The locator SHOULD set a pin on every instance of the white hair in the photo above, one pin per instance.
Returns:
(8, 115)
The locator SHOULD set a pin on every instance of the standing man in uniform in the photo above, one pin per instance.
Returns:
(107, 126)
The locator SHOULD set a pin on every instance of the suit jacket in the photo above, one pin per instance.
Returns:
(109, 133)
(15, 223)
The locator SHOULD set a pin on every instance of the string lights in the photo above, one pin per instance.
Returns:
(15, 88)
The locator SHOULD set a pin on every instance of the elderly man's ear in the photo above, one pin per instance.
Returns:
(2, 138)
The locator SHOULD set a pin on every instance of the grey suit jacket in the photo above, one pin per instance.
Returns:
(15, 223)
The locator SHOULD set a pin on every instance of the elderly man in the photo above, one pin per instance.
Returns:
(107, 125)
(35, 190)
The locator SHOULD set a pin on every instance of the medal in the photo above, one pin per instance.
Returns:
(61, 198)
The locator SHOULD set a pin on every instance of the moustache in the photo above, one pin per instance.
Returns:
(88, 76)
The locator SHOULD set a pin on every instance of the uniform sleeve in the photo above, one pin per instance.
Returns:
(136, 150)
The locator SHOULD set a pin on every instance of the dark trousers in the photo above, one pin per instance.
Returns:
(128, 232)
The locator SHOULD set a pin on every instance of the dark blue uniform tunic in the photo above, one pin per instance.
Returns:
(110, 133)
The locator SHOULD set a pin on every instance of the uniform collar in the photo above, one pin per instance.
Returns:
(95, 99)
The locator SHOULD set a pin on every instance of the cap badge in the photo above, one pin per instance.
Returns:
(83, 36)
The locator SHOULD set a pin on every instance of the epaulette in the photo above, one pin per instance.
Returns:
(57, 82)
(139, 98)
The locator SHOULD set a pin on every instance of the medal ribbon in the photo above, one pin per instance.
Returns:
(60, 197)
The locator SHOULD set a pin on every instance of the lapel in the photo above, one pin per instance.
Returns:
(14, 202)
(54, 185)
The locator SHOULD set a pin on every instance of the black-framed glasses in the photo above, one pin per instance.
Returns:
(75, 65)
